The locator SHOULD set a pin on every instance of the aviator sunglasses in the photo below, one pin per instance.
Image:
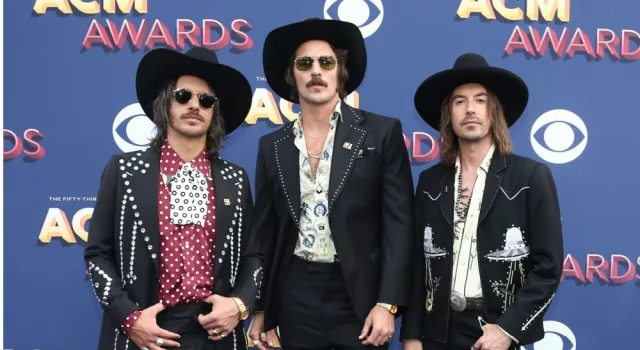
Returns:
(304, 63)
(205, 99)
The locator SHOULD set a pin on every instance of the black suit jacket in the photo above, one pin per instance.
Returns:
(519, 198)
(370, 209)
(123, 254)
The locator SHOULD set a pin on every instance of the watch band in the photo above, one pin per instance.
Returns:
(391, 308)
(243, 311)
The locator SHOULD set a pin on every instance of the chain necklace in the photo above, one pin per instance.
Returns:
(462, 207)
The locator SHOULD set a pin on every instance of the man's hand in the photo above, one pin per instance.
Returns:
(493, 339)
(145, 331)
(264, 341)
(224, 317)
(381, 324)
(412, 345)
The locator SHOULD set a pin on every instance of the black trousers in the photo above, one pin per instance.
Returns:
(464, 331)
(315, 310)
(183, 320)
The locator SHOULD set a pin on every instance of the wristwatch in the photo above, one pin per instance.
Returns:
(391, 308)
(244, 312)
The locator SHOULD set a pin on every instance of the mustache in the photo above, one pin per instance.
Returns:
(471, 120)
(316, 81)
(192, 115)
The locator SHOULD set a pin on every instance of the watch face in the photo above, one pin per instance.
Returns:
(394, 309)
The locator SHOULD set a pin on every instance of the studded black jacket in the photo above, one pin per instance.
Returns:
(519, 242)
(370, 210)
(122, 254)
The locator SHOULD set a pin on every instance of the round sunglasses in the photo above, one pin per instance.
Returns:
(206, 100)
(304, 63)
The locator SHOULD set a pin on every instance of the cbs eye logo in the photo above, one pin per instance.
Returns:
(132, 130)
(557, 336)
(564, 136)
(366, 14)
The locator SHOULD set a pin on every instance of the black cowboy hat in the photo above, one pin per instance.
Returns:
(229, 85)
(511, 90)
(281, 43)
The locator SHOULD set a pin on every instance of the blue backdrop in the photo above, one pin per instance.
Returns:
(70, 103)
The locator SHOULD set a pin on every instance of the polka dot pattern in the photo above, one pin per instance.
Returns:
(186, 209)
(189, 196)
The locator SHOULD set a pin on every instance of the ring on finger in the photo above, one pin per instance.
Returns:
(159, 342)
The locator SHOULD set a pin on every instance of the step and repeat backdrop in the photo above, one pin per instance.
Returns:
(70, 104)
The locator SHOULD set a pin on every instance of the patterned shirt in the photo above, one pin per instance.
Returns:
(466, 277)
(186, 255)
(314, 235)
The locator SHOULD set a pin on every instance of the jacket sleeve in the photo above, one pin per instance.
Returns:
(546, 249)
(266, 221)
(247, 283)
(100, 252)
(397, 219)
(413, 317)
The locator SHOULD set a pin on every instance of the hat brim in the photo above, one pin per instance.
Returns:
(229, 85)
(281, 43)
(510, 89)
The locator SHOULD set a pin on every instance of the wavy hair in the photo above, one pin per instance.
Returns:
(161, 117)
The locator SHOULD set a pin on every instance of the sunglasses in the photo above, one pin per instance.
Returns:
(206, 100)
(304, 63)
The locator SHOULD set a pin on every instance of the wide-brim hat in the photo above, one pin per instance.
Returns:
(230, 86)
(510, 89)
(281, 43)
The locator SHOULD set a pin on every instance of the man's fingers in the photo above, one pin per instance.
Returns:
(168, 343)
(383, 337)
(156, 308)
(263, 346)
(165, 334)
(271, 338)
(478, 344)
(366, 328)
(375, 332)
(207, 319)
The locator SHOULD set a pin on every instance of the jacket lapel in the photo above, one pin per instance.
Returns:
(144, 189)
(226, 201)
(447, 188)
(348, 140)
(492, 184)
(288, 164)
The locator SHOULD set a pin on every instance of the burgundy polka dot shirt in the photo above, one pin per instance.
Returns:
(187, 251)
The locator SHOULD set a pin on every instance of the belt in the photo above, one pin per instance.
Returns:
(460, 303)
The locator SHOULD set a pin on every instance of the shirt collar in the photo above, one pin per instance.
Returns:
(486, 161)
(170, 161)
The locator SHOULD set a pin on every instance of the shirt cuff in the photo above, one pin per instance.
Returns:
(129, 321)
(508, 335)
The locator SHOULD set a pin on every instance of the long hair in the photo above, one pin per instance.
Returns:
(161, 117)
(343, 74)
(449, 146)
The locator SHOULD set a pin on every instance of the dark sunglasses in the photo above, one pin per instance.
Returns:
(205, 99)
(304, 63)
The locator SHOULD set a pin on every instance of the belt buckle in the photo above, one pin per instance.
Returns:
(457, 301)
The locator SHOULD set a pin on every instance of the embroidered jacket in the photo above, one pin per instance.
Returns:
(519, 243)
